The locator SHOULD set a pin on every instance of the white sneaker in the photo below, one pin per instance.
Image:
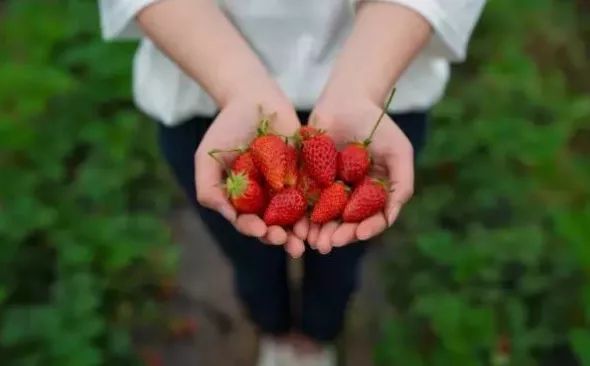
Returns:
(271, 352)
(325, 357)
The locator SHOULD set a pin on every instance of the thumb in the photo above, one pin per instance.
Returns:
(401, 175)
(208, 180)
(215, 199)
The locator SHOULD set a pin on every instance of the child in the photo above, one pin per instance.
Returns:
(203, 67)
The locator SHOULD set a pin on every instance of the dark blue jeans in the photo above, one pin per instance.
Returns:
(260, 271)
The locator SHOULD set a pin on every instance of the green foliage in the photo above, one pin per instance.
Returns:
(491, 264)
(79, 185)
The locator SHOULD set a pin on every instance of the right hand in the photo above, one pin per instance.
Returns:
(235, 126)
(346, 118)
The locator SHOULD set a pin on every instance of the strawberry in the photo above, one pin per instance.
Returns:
(320, 157)
(306, 132)
(367, 199)
(291, 171)
(311, 190)
(245, 163)
(167, 289)
(151, 357)
(331, 203)
(182, 327)
(269, 153)
(354, 160)
(285, 208)
(245, 194)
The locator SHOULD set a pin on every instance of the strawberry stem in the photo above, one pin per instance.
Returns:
(369, 139)
(212, 153)
(265, 120)
(240, 150)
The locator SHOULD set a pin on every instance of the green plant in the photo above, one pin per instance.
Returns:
(492, 263)
(80, 184)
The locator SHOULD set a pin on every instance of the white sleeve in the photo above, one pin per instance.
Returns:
(452, 21)
(117, 18)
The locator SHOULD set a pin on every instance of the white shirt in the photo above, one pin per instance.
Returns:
(298, 41)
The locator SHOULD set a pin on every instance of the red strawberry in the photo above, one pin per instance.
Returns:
(320, 157)
(285, 208)
(167, 288)
(367, 199)
(354, 161)
(151, 357)
(331, 203)
(245, 194)
(245, 163)
(291, 171)
(311, 190)
(182, 327)
(269, 153)
(306, 132)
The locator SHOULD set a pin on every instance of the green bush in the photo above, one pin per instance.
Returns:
(491, 264)
(79, 185)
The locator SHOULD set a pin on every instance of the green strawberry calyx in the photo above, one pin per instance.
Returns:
(236, 184)
(264, 121)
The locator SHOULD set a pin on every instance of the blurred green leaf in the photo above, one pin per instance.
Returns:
(580, 339)
(495, 241)
(81, 190)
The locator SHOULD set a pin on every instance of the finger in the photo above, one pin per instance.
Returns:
(393, 213)
(208, 177)
(301, 228)
(401, 174)
(276, 235)
(312, 236)
(284, 122)
(371, 226)
(294, 246)
(344, 234)
(324, 243)
(251, 225)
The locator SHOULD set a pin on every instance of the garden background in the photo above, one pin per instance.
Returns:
(489, 266)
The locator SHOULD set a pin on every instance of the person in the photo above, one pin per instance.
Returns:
(203, 67)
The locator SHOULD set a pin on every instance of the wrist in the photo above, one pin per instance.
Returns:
(251, 89)
(348, 95)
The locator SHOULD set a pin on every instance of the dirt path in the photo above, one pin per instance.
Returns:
(224, 337)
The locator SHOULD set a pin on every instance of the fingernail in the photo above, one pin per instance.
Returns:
(392, 214)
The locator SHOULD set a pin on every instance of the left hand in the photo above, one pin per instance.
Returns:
(348, 119)
(235, 125)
